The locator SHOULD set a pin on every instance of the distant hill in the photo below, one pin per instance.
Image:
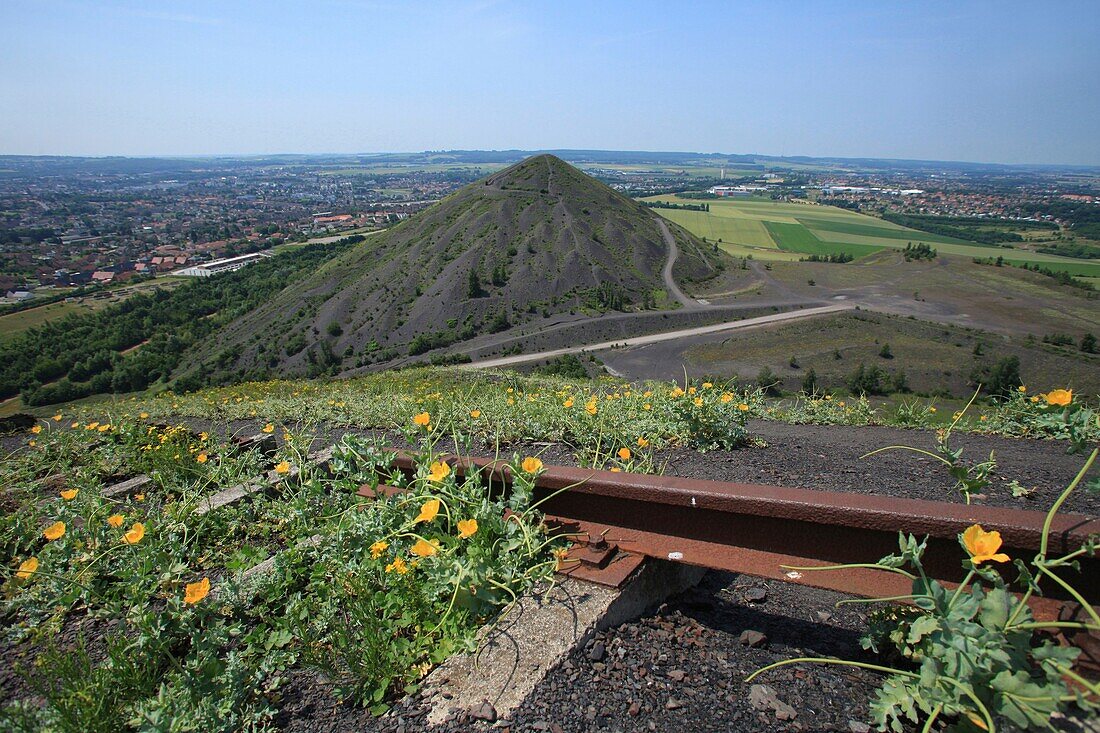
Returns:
(535, 239)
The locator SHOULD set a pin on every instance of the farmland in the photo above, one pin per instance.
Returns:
(773, 230)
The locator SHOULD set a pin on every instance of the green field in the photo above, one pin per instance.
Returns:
(797, 238)
(15, 323)
(774, 230)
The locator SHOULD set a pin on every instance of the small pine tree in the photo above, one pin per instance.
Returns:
(1005, 377)
(767, 381)
(1088, 343)
(473, 287)
(809, 382)
(885, 352)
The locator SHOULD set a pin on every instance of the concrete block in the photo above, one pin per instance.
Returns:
(516, 652)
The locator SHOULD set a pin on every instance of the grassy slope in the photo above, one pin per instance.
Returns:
(931, 355)
(557, 232)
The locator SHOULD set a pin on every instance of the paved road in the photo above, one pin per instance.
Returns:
(657, 337)
(670, 281)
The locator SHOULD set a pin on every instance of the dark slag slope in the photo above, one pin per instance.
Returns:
(556, 239)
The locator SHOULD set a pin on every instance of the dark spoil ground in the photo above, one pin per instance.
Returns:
(682, 668)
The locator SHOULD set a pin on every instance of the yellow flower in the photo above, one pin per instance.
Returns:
(428, 510)
(378, 548)
(647, 393)
(438, 471)
(1059, 397)
(36, 429)
(32, 443)
(743, 407)
(590, 408)
(143, 415)
(531, 464)
(135, 534)
(647, 406)
(691, 390)
(55, 531)
(707, 385)
(1021, 389)
(425, 549)
(568, 403)
(75, 425)
(423, 419)
(475, 414)
(27, 568)
(115, 520)
(676, 392)
(195, 592)
(104, 428)
(624, 454)
(616, 469)
(201, 458)
(398, 565)
(642, 442)
(139, 497)
(69, 494)
(726, 398)
(698, 401)
(1034, 398)
(269, 428)
(57, 417)
(983, 545)
(91, 426)
(283, 467)
(466, 528)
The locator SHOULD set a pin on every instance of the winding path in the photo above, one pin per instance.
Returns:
(666, 274)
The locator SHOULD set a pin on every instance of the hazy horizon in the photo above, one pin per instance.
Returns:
(968, 82)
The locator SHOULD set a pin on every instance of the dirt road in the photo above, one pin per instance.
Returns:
(666, 274)
(658, 337)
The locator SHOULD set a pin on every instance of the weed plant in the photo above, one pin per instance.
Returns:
(137, 612)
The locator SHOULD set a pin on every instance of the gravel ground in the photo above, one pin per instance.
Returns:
(682, 668)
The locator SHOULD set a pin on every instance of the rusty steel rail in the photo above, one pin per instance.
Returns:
(621, 518)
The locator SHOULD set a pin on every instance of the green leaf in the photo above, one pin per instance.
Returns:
(921, 627)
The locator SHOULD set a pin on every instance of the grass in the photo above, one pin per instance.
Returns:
(828, 230)
(797, 238)
(15, 323)
(935, 358)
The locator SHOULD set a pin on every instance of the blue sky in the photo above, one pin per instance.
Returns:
(990, 81)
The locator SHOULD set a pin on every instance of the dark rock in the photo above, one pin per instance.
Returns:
(485, 712)
(756, 595)
(752, 638)
(634, 709)
(761, 697)
(677, 675)
(674, 704)
(597, 652)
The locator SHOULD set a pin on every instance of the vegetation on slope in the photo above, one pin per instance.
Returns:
(82, 354)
